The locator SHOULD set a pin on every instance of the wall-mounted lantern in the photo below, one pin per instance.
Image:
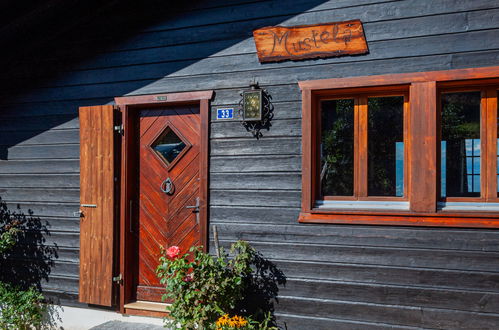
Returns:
(256, 110)
(252, 104)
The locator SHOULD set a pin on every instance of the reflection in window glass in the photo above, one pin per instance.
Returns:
(386, 146)
(337, 147)
(460, 145)
(168, 146)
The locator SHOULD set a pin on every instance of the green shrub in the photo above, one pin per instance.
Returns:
(203, 288)
(8, 237)
(21, 309)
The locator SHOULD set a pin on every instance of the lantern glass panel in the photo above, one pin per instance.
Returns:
(252, 105)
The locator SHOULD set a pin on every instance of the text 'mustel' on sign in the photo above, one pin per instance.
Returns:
(278, 43)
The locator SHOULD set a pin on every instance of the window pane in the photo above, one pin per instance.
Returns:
(385, 146)
(336, 174)
(460, 146)
(168, 145)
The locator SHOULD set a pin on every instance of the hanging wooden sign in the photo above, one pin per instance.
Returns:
(277, 43)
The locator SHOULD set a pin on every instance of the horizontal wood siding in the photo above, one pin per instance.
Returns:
(339, 276)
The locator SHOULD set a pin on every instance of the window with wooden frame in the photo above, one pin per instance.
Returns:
(362, 154)
(407, 149)
(468, 149)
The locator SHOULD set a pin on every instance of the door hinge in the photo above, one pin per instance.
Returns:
(119, 129)
(118, 279)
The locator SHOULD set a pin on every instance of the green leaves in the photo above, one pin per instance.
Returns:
(8, 235)
(203, 287)
(21, 309)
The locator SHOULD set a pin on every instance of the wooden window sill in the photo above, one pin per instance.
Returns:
(469, 219)
(468, 206)
(330, 205)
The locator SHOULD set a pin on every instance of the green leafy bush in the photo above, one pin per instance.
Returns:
(8, 238)
(203, 288)
(21, 309)
(22, 306)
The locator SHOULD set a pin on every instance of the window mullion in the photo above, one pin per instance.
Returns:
(356, 148)
(407, 146)
(423, 147)
(362, 147)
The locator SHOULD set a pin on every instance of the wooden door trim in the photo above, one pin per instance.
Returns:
(129, 106)
(163, 99)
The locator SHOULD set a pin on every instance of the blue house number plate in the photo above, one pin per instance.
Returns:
(225, 113)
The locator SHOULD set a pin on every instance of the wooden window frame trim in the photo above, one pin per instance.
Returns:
(488, 146)
(423, 94)
(127, 105)
(361, 158)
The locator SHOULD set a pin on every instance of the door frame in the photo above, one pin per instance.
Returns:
(129, 106)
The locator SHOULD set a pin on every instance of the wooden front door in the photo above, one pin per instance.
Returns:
(169, 189)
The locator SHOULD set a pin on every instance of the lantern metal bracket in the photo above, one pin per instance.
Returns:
(267, 112)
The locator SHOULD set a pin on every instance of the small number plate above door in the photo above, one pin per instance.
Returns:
(225, 113)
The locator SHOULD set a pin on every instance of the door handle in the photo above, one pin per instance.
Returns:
(195, 209)
(167, 186)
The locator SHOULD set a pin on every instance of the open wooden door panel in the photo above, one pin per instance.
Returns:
(96, 204)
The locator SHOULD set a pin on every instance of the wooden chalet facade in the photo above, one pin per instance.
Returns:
(396, 226)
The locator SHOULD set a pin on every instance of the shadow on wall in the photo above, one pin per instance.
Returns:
(263, 290)
(31, 260)
(80, 53)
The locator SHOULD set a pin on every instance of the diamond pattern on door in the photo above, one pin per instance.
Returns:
(169, 145)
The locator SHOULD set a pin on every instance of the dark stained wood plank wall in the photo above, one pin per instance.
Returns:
(339, 276)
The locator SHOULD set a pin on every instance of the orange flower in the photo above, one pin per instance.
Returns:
(234, 322)
(223, 320)
(239, 321)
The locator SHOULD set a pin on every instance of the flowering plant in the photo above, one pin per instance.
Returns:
(226, 322)
(173, 252)
(204, 290)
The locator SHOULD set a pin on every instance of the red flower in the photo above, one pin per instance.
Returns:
(188, 278)
(173, 252)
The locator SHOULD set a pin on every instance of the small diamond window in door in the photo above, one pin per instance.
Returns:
(168, 145)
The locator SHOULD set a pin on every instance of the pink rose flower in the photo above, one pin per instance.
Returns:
(173, 252)
(188, 278)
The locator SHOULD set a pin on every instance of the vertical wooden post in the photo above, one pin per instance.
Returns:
(361, 154)
(204, 110)
(307, 151)
(215, 240)
(126, 264)
(423, 143)
(489, 135)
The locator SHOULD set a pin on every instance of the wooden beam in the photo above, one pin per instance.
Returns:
(165, 98)
(423, 143)
(307, 154)
(401, 78)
